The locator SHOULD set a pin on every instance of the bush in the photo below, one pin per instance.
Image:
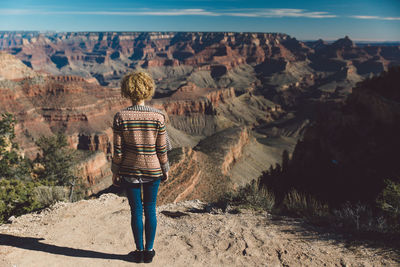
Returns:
(389, 203)
(301, 204)
(253, 196)
(48, 195)
(389, 200)
(250, 196)
(17, 198)
(359, 217)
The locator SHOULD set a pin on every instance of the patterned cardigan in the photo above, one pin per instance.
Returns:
(140, 144)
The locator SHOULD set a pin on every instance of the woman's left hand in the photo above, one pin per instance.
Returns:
(116, 179)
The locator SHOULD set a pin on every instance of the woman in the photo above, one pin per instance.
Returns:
(140, 158)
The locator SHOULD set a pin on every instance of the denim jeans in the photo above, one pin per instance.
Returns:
(133, 192)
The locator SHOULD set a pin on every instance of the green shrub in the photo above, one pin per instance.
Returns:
(255, 197)
(250, 196)
(58, 161)
(389, 202)
(16, 198)
(48, 195)
(360, 217)
(301, 204)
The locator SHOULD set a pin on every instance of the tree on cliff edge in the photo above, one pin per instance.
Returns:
(57, 160)
(12, 164)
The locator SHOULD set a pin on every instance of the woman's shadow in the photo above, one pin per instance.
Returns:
(32, 243)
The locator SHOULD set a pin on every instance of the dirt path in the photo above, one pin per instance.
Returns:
(97, 233)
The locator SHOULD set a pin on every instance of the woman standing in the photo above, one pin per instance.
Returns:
(140, 158)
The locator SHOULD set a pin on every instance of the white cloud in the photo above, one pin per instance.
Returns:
(243, 12)
(167, 12)
(374, 17)
(278, 13)
(365, 17)
(391, 18)
(300, 13)
(260, 12)
(7, 11)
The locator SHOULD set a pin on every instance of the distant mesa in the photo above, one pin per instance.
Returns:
(106, 56)
(319, 44)
(343, 43)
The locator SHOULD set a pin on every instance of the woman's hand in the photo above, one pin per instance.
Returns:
(116, 180)
(165, 177)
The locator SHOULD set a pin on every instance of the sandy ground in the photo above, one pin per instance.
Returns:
(97, 233)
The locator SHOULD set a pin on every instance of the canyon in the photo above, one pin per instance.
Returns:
(350, 145)
(233, 101)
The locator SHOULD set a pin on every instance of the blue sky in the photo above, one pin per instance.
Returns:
(377, 20)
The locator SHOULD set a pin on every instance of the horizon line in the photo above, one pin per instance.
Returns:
(171, 31)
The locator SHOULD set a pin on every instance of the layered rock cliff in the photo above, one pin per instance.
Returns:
(13, 69)
(351, 148)
(272, 62)
(219, 163)
(84, 112)
(206, 83)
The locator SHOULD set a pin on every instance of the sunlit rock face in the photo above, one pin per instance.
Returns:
(266, 84)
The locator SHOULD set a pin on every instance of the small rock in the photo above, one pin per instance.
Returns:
(343, 263)
(11, 219)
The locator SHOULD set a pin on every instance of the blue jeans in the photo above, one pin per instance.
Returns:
(133, 192)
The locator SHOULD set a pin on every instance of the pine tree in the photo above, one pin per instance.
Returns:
(57, 161)
(12, 164)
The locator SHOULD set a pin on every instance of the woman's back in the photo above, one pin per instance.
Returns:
(140, 144)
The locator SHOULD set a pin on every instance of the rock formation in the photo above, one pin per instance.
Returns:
(208, 59)
(12, 69)
(352, 146)
(84, 112)
(207, 83)
(221, 162)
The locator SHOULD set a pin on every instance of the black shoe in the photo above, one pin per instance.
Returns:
(136, 256)
(148, 255)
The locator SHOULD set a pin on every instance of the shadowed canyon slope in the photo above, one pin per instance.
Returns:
(351, 148)
(234, 101)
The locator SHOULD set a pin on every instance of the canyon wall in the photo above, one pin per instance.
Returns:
(275, 64)
(261, 89)
(351, 146)
(46, 104)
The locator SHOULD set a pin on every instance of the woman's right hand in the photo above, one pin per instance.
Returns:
(116, 179)
(165, 177)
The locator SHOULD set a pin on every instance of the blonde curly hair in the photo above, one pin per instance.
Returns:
(137, 86)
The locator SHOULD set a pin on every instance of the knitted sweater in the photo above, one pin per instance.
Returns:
(140, 144)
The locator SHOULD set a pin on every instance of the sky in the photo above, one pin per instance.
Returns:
(361, 20)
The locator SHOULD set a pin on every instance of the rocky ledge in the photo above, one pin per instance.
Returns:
(190, 233)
